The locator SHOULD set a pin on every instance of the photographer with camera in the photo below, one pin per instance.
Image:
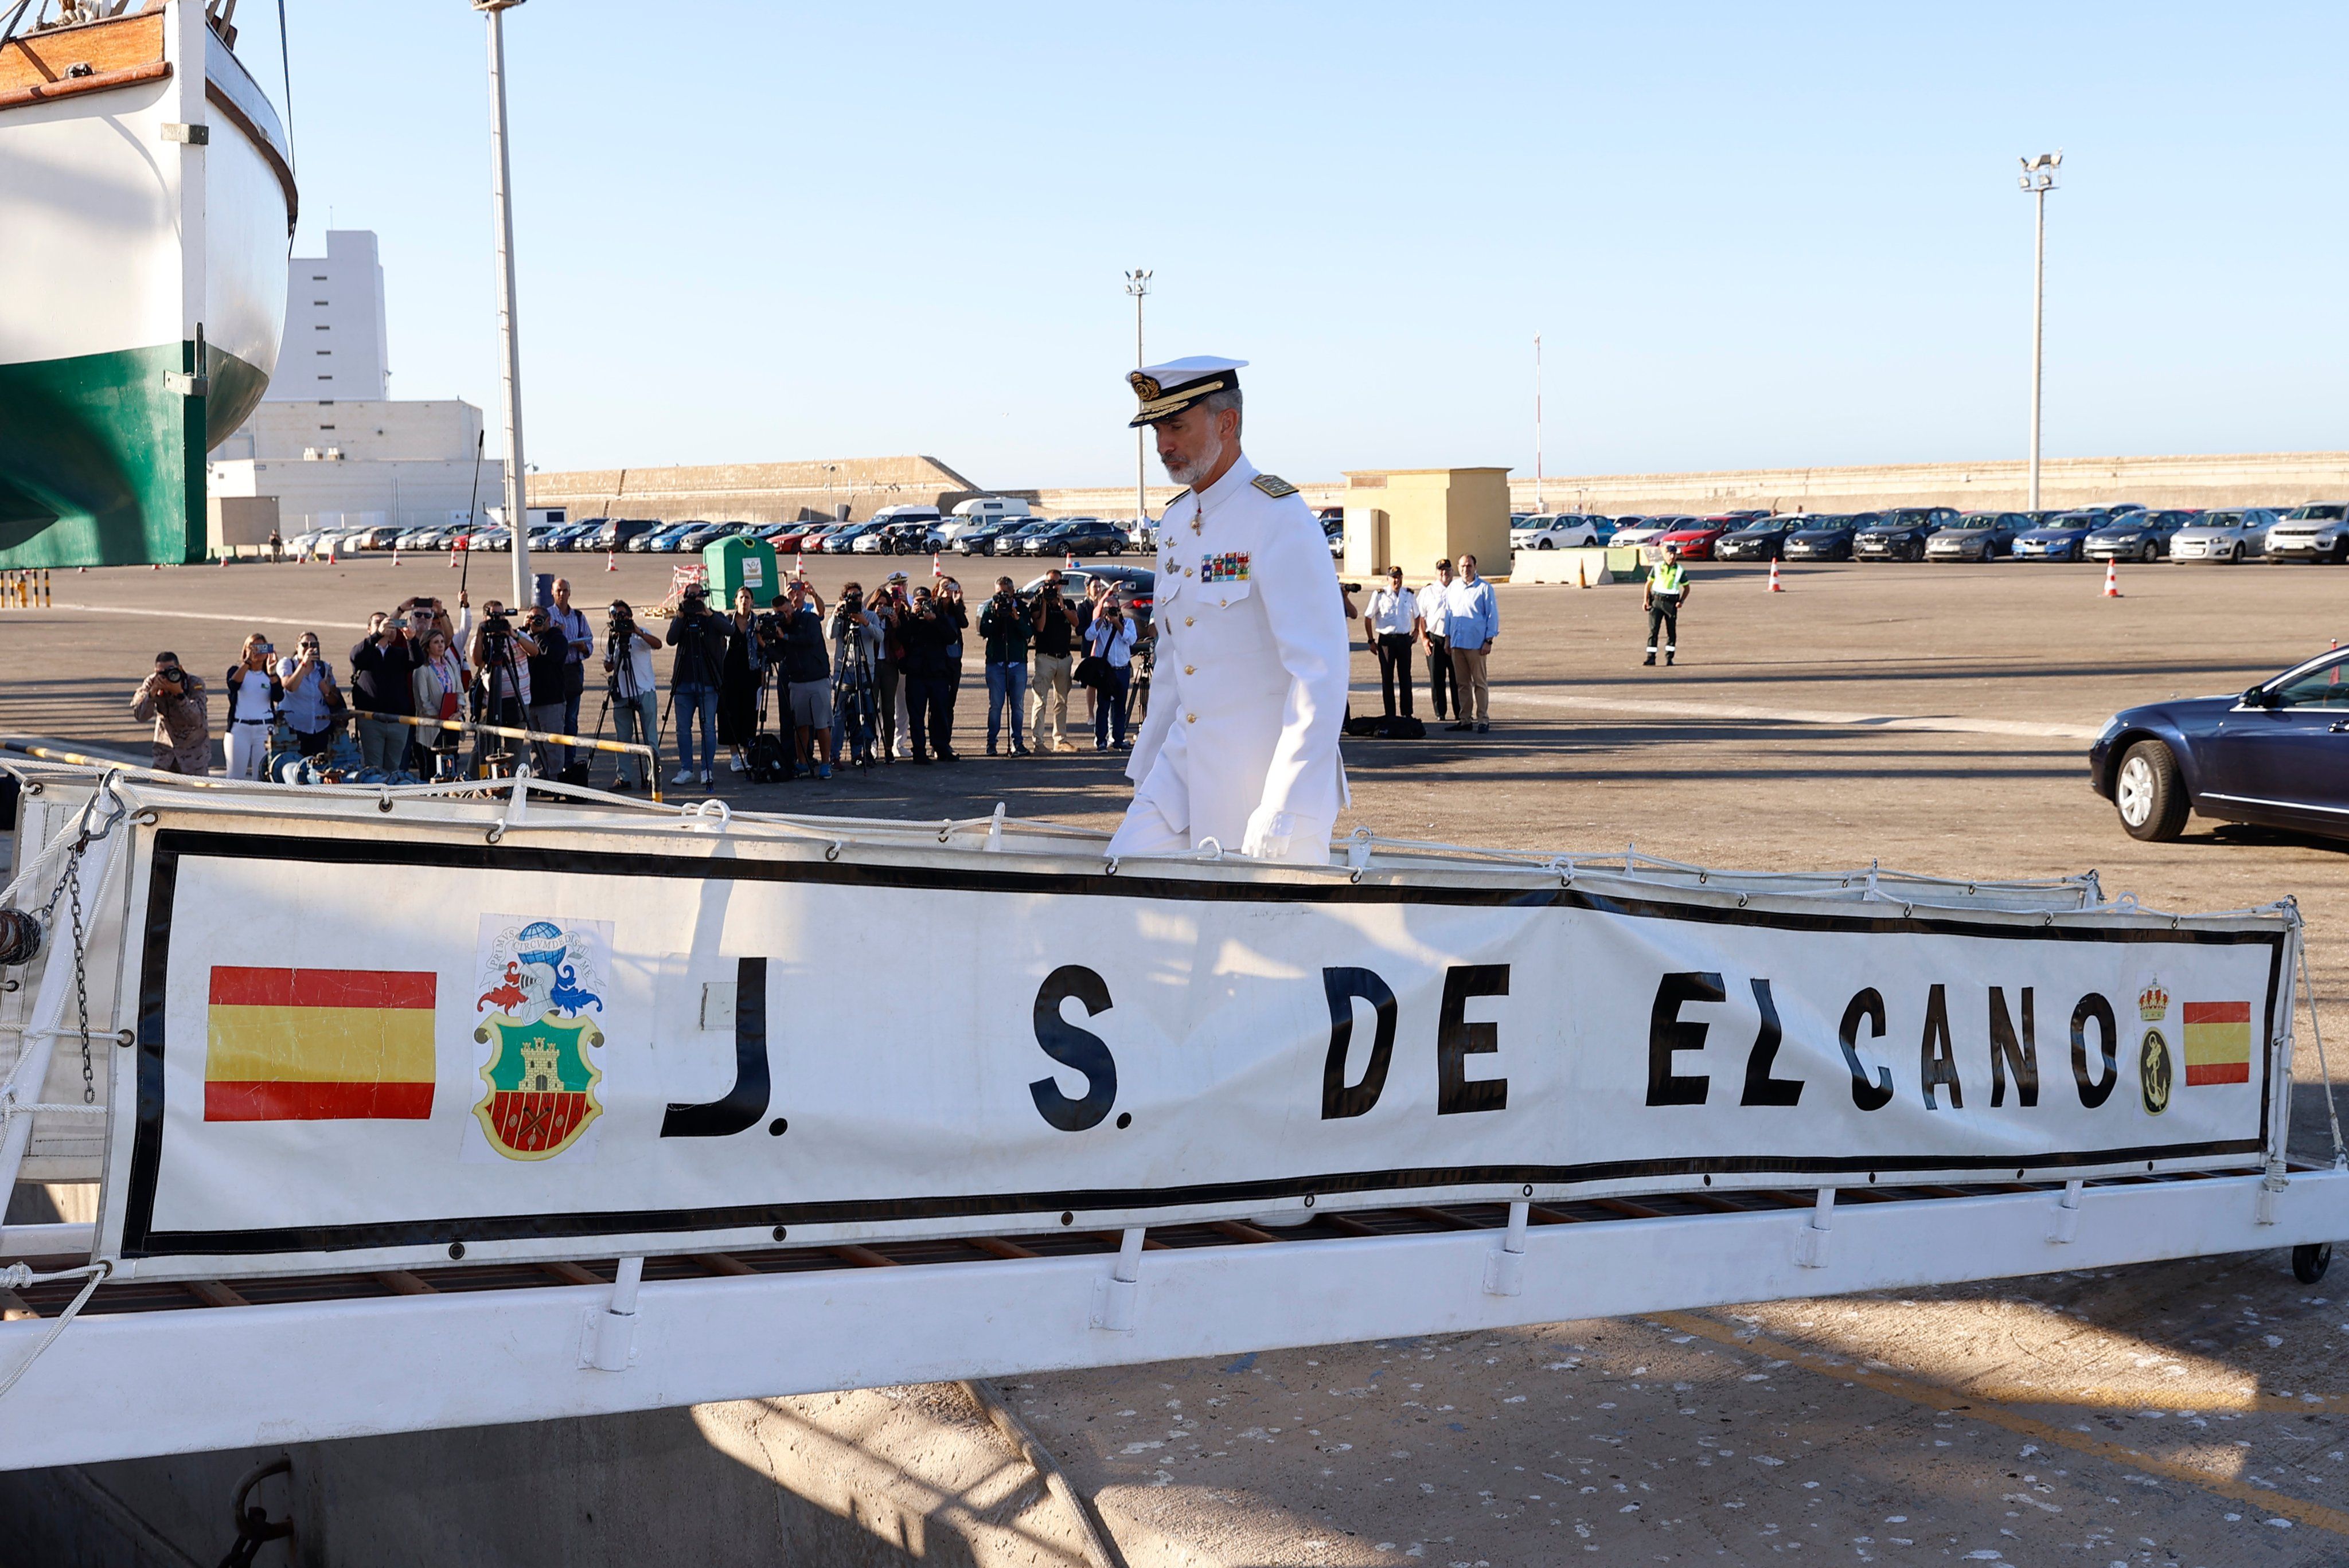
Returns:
(927, 631)
(856, 642)
(550, 670)
(252, 707)
(499, 654)
(806, 689)
(438, 683)
(175, 701)
(628, 651)
(1003, 628)
(1110, 640)
(313, 705)
(383, 667)
(888, 609)
(1055, 621)
(579, 641)
(702, 640)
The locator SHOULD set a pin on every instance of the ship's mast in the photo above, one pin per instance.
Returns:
(501, 177)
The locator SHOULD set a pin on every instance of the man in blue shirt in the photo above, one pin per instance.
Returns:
(1475, 620)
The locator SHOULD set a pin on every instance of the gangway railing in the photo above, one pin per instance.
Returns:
(593, 1154)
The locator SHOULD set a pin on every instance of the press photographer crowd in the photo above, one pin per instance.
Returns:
(794, 689)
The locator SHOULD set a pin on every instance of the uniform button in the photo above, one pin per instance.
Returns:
(1190, 718)
(1186, 620)
(1190, 669)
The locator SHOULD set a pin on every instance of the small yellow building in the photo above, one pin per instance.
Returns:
(1413, 517)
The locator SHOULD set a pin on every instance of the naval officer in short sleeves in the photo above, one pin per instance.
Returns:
(1250, 674)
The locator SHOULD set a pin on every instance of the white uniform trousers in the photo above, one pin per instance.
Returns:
(248, 744)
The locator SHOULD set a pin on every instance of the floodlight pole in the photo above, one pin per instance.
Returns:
(502, 192)
(2038, 178)
(1137, 283)
(1537, 425)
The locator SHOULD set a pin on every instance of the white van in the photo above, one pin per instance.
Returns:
(979, 509)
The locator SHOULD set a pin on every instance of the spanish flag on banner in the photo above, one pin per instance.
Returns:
(2217, 1042)
(319, 1044)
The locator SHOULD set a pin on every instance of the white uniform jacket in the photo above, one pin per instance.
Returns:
(1248, 685)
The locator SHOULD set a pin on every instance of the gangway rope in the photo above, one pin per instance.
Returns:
(17, 1276)
(2323, 1069)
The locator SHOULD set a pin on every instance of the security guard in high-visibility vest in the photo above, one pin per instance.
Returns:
(1668, 587)
(1240, 745)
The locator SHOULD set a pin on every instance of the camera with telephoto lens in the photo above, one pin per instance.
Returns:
(175, 674)
(618, 621)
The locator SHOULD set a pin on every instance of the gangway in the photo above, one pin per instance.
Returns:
(1342, 1214)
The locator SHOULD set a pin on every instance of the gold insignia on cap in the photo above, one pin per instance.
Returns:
(1273, 485)
(1145, 387)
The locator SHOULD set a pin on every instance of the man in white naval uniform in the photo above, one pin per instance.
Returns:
(1249, 679)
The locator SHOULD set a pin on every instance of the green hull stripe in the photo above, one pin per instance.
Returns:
(102, 465)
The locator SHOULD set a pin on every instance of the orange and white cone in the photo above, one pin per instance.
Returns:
(2112, 580)
(1070, 564)
(610, 565)
(1775, 586)
(799, 564)
(937, 571)
(395, 554)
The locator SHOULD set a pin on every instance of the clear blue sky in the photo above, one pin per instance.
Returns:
(1747, 234)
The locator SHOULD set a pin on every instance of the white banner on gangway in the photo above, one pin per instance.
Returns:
(365, 1050)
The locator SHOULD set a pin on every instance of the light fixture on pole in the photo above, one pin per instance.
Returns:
(2038, 178)
(1537, 425)
(502, 203)
(1137, 283)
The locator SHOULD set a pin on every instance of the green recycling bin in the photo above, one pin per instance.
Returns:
(738, 562)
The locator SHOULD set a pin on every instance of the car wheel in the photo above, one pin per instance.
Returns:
(2236, 554)
(2148, 793)
(1542, 545)
(2150, 552)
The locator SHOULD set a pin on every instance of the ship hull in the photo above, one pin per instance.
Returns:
(142, 292)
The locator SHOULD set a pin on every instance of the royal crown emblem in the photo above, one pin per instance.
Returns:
(2153, 1004)
(1144, 387)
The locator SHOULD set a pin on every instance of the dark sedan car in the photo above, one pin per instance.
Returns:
(988, 537)
(1824, 538)
(2137, 535)
(1900, 534)
(2277, 756)
(1137, 585)
(2061, 538)
(1081, 536)
(1760, 540)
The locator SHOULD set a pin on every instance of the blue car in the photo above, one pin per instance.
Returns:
(2064, 537)
(2277, 756)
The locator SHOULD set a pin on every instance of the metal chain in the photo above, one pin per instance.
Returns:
(69, 888)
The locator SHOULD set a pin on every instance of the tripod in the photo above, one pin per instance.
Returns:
(492, 752)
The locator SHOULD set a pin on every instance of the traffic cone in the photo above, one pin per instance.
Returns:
(2112, 580)
(799, 564)
(937, 571)
(1775, 586)
(610, 564)
(395, 554)
(1070, 564)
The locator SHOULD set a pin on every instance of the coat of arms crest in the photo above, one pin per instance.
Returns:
(541, 978)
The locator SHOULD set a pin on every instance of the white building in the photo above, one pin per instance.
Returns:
(335, 344)
(325, 442)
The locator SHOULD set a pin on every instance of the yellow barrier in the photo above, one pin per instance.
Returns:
(652, 771)
(25, 588)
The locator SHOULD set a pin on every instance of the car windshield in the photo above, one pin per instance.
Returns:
(1907, 517)
(2326, 685)
(2313, 514)
(2220, 520)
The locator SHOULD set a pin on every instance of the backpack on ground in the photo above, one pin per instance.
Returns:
(1386, 727)
(769, 763)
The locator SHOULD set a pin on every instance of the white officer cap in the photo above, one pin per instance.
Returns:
(1167, 389)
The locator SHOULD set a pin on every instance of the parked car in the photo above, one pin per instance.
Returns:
(1015, 541)
(1082, 536)
(1825, 537)
(987, 537)
(2316, 532)
(1136, 585)
(1900, 534)
(2062, 537)
(622, 532)
(1650, 529)
(418, 538)
(489, 539)
(1553, 531)
(2223, 535)
(2277, 756)
(1695, 541)
(1761, 537)
(646, 540)
(303, 543)
(2136, 536)
(1976, 536)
